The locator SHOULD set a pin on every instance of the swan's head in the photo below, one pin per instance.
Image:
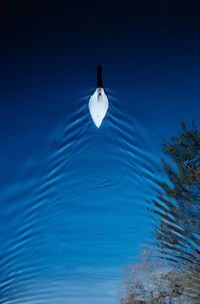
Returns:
(100, 93)
(100, 90)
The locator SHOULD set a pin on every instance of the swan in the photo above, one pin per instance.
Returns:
(98, 102)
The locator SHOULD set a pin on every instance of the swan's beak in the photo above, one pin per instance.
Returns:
(98, 106)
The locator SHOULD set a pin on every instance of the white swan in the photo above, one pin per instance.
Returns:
(98, 106)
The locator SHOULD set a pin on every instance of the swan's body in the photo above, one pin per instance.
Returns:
(98, 106)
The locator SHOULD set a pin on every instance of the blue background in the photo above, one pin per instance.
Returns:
(73, 198)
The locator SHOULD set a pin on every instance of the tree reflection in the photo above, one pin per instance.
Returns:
(177, 229)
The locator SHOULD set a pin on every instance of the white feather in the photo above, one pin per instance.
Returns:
(98, 106)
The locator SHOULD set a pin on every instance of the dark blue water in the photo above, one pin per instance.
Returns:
(74, 211)
(73, 208)
(74, 199)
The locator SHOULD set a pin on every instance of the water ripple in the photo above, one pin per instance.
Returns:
(76, 205)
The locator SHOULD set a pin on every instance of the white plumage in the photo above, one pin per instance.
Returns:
(98, 106)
